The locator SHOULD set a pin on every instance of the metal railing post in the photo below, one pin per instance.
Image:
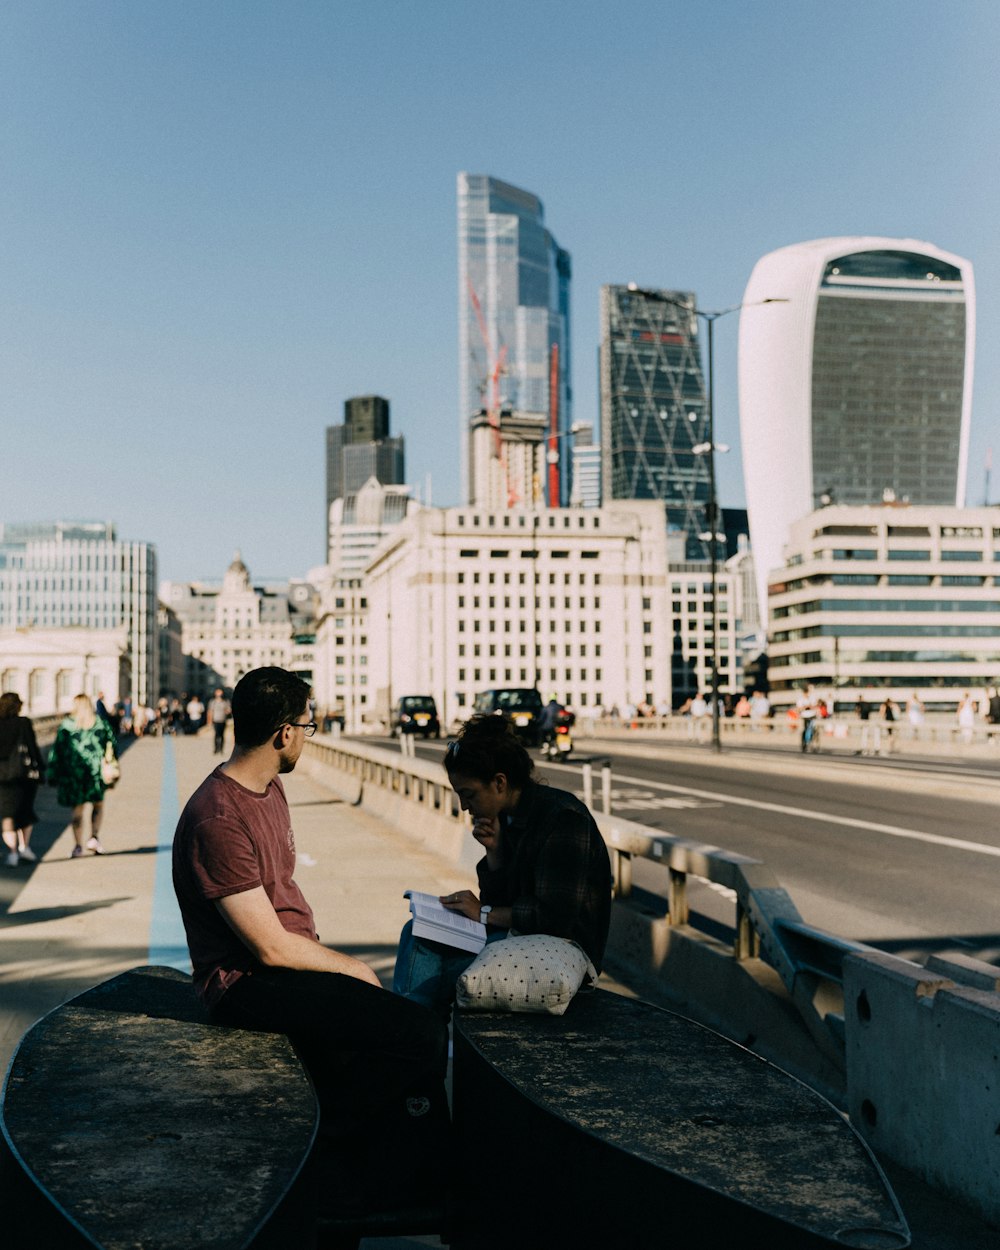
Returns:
(623, 874)
(677, 902)
(588, 785)
(606, 787)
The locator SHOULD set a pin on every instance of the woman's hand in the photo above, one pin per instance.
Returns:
(463, 901)
(486, 831)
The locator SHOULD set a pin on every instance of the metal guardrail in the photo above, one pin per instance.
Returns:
(841, 733)
(767, 923)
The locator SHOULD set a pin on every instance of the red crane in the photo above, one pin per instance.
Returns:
(494, 368)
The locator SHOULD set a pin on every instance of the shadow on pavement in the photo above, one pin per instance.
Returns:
(39, 915)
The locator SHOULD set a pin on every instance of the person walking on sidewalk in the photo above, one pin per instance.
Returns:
(219, 712)
(20, 770)
(83, 742)
(377, 1061)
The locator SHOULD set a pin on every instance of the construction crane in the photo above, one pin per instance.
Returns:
(495, 366)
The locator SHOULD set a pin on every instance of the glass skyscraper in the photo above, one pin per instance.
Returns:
(653, 409)
(362, 448)
(857, 386)
(513, 308)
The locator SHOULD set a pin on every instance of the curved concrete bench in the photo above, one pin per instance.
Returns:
(128, 1120)
(625, 1125)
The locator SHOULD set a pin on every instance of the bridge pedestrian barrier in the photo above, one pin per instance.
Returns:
(923, 1068)
(937, 736)
(779, 987)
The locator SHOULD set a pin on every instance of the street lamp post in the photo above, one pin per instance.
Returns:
(709, 449)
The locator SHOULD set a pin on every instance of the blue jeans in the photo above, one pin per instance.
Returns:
(426, 971)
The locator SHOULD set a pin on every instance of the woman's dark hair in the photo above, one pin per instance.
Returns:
(487, 745)
(10, 705)
(263, 701)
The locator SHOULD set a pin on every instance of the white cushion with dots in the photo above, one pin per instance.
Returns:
(527, 972)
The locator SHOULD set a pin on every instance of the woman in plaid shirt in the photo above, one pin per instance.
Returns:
(546, 867)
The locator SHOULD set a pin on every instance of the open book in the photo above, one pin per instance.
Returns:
(432, 920)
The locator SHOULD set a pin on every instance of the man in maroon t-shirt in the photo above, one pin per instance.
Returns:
(377, 1060)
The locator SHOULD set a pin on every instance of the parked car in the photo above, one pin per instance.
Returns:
(416, 714)
(523, 705)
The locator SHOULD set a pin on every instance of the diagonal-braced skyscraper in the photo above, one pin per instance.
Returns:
(653, 410)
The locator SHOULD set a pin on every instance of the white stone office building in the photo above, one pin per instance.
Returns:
(888, 600)
(573, 601)
(227, 631)
(47, 668)
(341, 662)
(360, 520)
(691, 621)
(76, 575)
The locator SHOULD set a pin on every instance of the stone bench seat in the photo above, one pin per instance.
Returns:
(620, 1124)
(129, 1120)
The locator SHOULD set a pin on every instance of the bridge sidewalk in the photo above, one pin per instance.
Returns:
(67, 924)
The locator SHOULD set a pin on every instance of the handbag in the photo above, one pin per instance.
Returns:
(19, 765)
(110, 768)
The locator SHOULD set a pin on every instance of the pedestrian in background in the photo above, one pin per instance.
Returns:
(20, 770)
(84, 742)
(967, 717)
(219, 712)
(195, 714)
(887, 717)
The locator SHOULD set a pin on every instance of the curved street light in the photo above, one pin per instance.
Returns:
(709, 448)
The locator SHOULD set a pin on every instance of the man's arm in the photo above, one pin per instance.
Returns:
(255, 922)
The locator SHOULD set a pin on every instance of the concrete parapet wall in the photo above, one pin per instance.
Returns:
(680, 968)
(923, 1069)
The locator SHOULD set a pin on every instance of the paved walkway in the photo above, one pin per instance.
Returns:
(67, 924)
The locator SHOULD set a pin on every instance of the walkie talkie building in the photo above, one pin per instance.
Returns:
(857, 386)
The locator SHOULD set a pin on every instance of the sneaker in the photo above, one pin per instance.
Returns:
(28, 855)
(10, 859)
(94, 845)
(77, 852)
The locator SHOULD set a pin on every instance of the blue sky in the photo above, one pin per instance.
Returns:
(218, 220)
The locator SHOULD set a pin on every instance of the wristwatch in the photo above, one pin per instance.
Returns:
(484, 913)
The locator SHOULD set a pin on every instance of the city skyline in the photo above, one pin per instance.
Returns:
(208, 248)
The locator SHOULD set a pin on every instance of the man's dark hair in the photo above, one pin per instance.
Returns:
(263, 701)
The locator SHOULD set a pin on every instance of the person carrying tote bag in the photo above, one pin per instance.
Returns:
(83, 745)
(20, 770)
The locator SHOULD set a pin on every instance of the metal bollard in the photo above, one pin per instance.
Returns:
(606, 787)
(588, 786)
(622, 874)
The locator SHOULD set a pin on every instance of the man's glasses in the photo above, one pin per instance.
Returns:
(308, 727)
(451, 751)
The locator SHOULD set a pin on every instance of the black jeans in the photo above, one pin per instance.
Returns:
(377, 1063)
(219, 728)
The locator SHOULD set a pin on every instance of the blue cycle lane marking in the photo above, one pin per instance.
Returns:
(167, 942)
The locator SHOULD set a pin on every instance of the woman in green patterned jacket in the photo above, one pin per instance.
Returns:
(75, 769)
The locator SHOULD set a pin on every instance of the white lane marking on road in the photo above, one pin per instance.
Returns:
(892, 831)
(643, 800)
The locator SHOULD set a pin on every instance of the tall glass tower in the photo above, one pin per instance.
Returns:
(513, 308)
(653, 409)
(857, 387)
